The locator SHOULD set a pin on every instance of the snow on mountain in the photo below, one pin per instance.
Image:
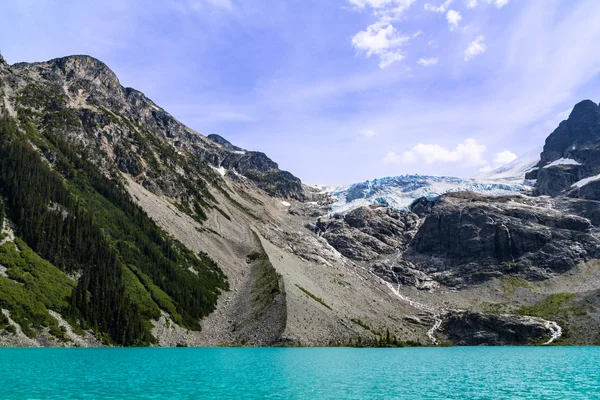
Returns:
(513, 172)
(581, 183)
(400, 191)
(562, 161)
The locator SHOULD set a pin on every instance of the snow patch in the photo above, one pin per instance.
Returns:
(221, 170)
(238, 174)
(239, 152)
(585, 181)
(562, 161)
(285, 203)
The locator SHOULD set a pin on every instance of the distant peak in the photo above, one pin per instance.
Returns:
(584, 107)
(81, 61)
(77, 67)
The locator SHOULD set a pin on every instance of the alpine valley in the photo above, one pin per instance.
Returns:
(121, 226)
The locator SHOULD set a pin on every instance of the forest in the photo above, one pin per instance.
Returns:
(85, 224)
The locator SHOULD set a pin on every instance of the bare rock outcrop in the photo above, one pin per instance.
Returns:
(368, 232)
(468, 239)
(474, 329)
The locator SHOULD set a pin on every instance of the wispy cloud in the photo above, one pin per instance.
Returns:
(426, 62)
(385, 10)
(475, 48)
(439, 9)
(367, 133)
(196, 6)
(498, 3)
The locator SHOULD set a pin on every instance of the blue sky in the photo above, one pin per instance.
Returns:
(339, 91)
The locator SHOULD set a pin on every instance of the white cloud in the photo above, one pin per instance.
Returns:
(439, 9)
(453, 17)
(368, 133)
(426, 62)
(498, 3)
(371, 3)
(472, 4)
(475, 48)
(500, 159)
(468, 153)
(504, 157)
(433, 44)
(386, 10)
(381, 39)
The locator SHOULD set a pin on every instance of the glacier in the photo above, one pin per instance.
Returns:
(399, 192)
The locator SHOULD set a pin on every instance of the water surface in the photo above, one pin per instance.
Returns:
(319, 373)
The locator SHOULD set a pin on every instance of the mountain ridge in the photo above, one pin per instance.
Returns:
(204, 243)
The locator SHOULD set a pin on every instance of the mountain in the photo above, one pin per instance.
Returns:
(571, 155)
(120, 225)
(514, 172)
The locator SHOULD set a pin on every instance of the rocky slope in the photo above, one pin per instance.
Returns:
(570, 160)
(211, 244)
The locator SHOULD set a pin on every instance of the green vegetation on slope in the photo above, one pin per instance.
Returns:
(553, 306)
(312, 296)
(33, 287)
(510, 283)
(266, 285)
(75, 217)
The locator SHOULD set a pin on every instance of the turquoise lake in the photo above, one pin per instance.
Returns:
(319, 373)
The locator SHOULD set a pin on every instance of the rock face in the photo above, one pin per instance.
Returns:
(266, 173)
(571, 152)
(368, 232)
(226, 144)
(467, 238)
(474, 329)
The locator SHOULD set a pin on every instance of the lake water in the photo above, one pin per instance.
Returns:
(319, 373)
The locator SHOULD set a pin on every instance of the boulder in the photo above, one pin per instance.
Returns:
(475, 329)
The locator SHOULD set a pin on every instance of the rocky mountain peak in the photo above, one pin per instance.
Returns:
(579, 130)
(79, 75)
(226, 144)
(86, 67)
(2, 60)
(583, 109)
(571, 153)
